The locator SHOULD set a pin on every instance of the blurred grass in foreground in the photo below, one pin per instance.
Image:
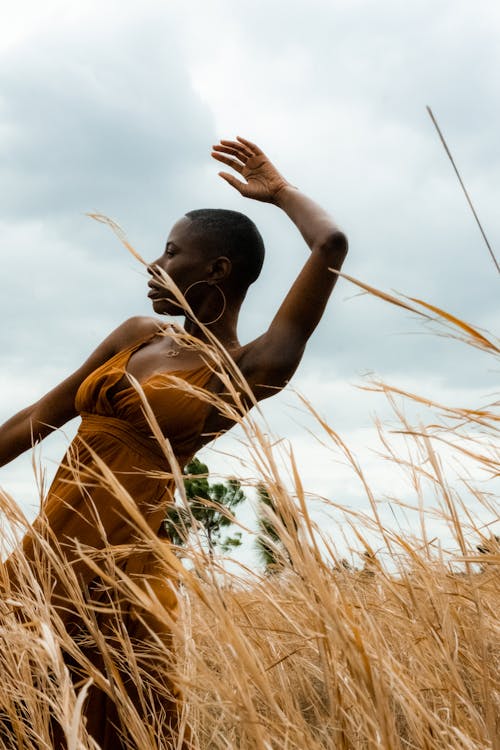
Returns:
(402, 654)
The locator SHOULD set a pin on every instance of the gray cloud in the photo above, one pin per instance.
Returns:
(97, 119)
(93, 118)
(341, 100)
(117, 115)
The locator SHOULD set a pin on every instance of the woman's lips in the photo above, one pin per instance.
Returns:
(156, 292)
(156, 295)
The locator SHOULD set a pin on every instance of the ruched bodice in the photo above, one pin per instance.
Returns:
(109, 392)
(115, 432)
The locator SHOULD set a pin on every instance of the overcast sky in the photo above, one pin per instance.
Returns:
(114, 106)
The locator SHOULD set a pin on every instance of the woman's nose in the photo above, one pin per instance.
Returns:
(152, 268)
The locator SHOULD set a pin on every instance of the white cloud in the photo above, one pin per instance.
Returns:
(114, 108)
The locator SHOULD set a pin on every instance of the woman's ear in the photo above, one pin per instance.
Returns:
(220, 269)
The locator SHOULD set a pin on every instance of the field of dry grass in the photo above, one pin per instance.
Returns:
(404, 653)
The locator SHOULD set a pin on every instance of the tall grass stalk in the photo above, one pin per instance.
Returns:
(401, 654)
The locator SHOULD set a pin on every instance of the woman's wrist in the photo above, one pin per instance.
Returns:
(281, 195)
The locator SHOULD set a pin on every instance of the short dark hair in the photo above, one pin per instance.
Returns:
(232, 234)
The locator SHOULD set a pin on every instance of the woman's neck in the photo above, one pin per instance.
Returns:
(224, 330)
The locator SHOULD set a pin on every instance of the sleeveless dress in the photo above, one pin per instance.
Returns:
(83, 520)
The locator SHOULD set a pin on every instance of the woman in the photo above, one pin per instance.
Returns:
(110, 490)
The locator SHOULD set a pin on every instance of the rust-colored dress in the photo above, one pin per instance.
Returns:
(83, 514)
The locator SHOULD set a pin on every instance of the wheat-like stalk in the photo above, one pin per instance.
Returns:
(403, 653)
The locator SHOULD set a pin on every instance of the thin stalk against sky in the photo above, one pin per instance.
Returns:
(429, 110)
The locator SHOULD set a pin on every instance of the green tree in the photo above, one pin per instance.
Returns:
(269, 545)
(210, 510)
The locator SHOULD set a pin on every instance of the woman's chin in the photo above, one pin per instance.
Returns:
(165, 307)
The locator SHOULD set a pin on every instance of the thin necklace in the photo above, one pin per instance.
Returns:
(173, 352)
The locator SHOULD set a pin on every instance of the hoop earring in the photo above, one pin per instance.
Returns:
(224, 303)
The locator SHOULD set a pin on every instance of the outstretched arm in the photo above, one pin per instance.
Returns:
(57, 407)
(278, 351)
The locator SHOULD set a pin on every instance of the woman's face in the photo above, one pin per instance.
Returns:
(183, 261)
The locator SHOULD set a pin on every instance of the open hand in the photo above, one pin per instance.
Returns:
(263, 181)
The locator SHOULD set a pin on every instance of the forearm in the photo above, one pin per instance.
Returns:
(303, 306)
(57, 406)
(20, 433)
(314, 223)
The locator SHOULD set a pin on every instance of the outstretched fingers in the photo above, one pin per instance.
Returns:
(249, 145)
(231, 179)
(237, 155)
(239, 147)
(229, 161)
(231, 147)
(229, 150)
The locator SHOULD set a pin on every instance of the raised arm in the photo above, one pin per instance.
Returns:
(57, 407)
(303, 306)
(278, 351)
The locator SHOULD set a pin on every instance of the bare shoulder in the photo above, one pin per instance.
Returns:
(132, 330)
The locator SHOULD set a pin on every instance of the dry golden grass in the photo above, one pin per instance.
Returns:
(403, 654)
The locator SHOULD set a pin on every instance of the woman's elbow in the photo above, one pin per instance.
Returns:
(335, 246)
